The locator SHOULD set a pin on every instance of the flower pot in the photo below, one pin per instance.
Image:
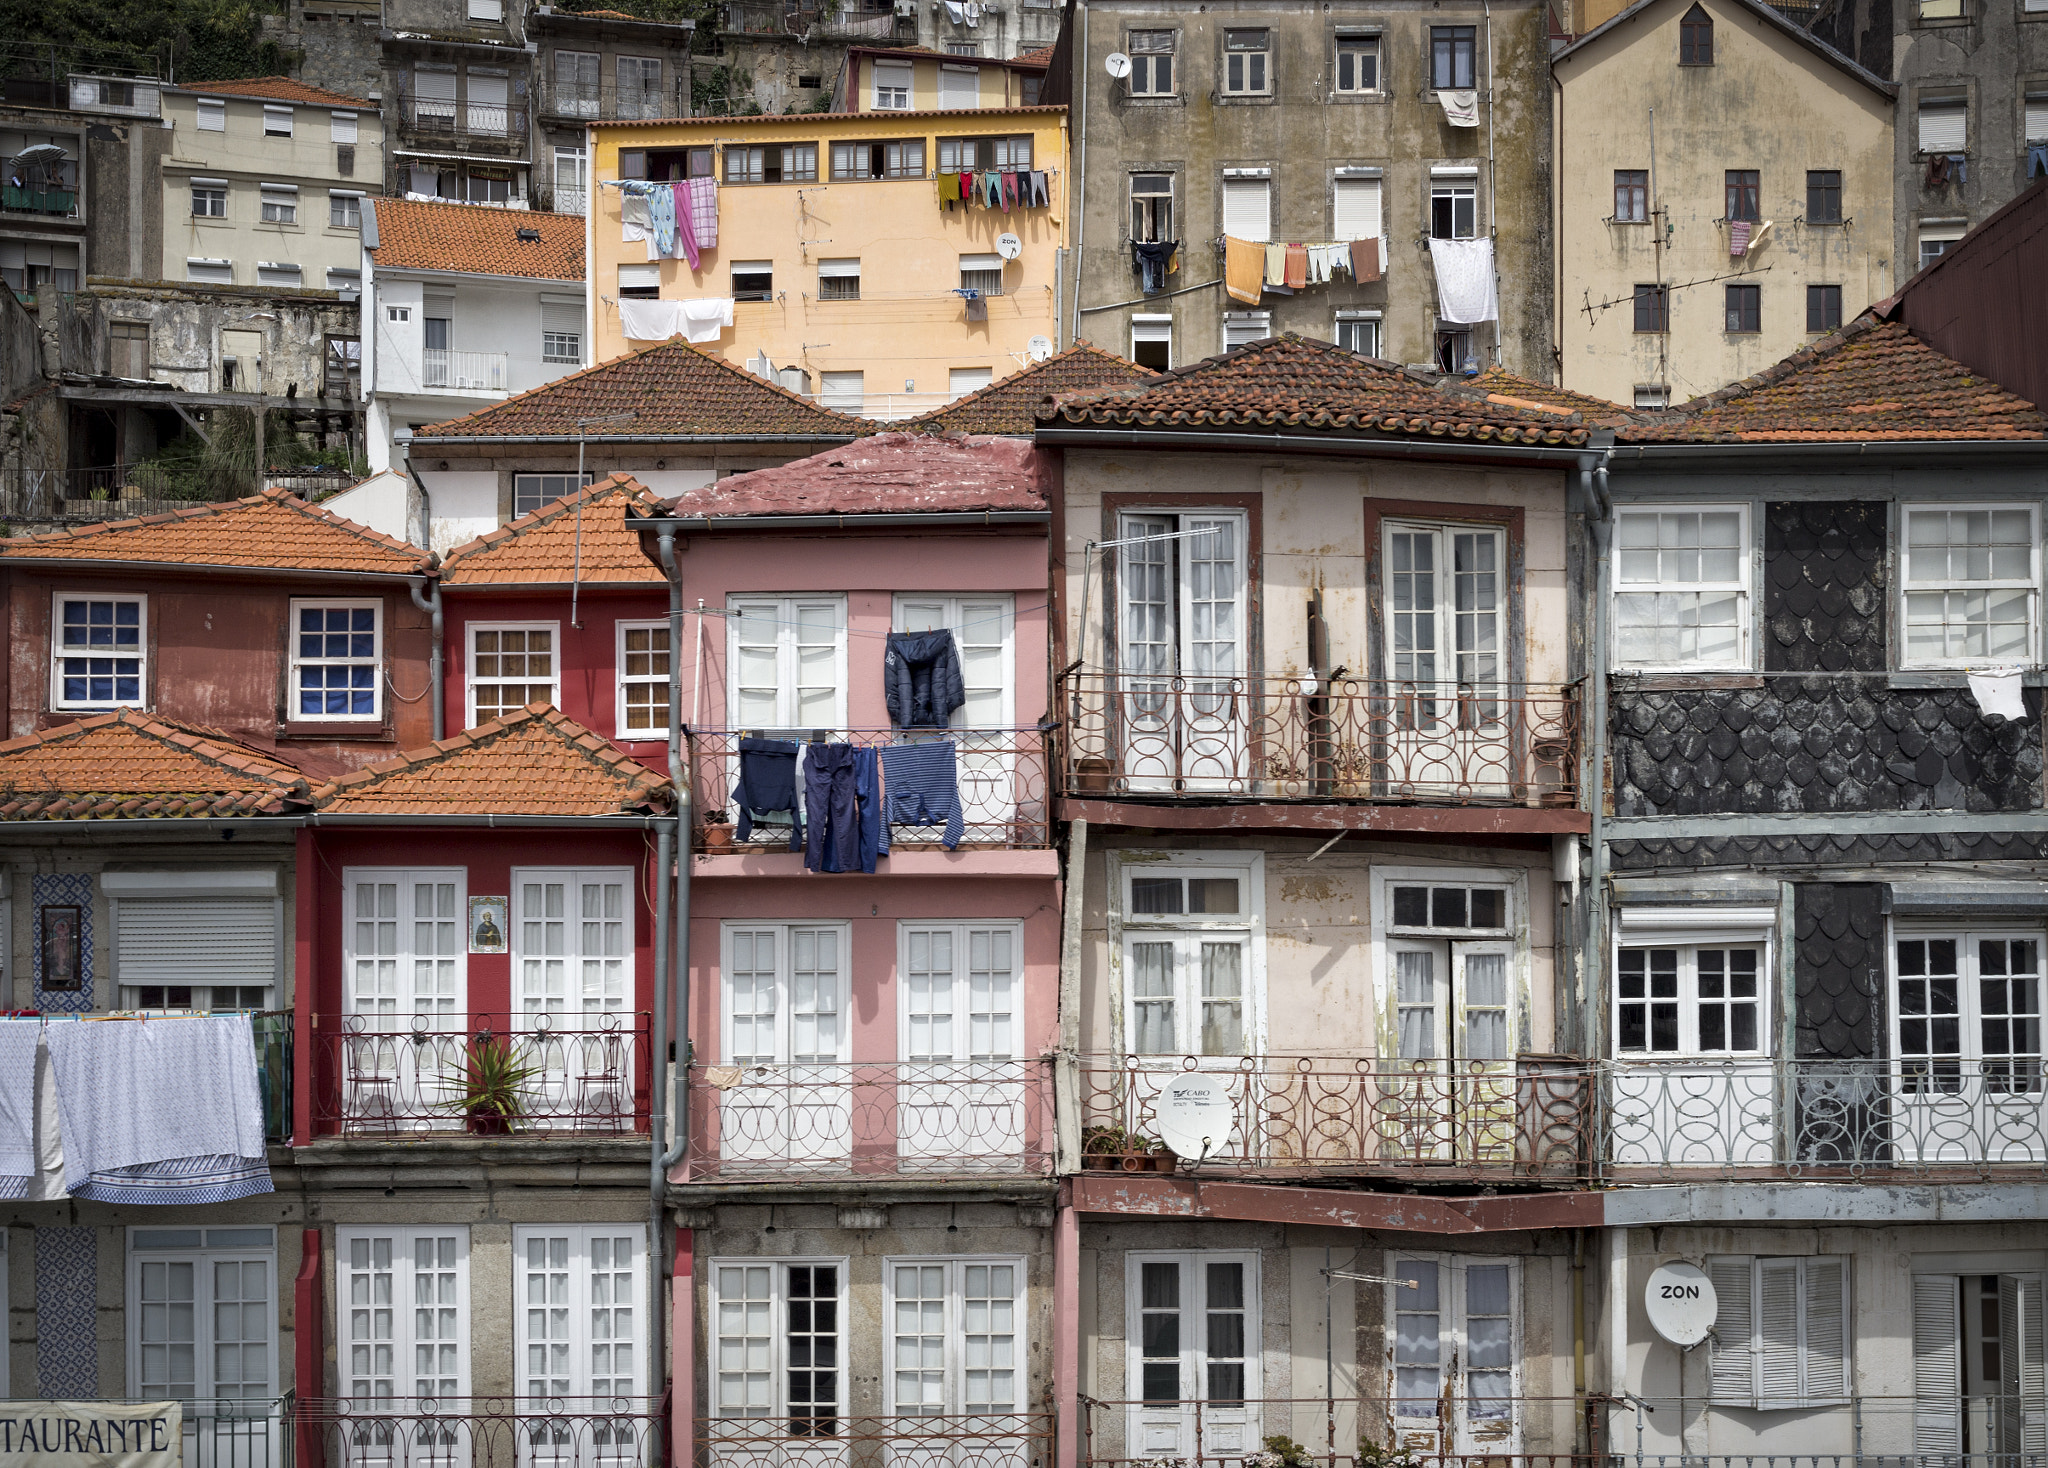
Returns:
(1135, 1161)
(1098, 1162)
(1091, 775)
(717, 838)
(489, 1124)
(1165, 1160)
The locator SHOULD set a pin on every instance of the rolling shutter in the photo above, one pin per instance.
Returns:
(1937, 1366)
(2037, 118)
(1732, 1366)
(206, 940)
(561, 318)
(959, 86)
(1944, 128)
(1248, 208)
(1357, 213)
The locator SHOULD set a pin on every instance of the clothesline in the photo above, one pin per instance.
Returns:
(855, 631)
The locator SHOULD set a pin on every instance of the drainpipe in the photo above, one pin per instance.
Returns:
(1077, 196)
(683, 1434)
(431, 605)
(657, 1083)
(1492, 185)
(1593, 480)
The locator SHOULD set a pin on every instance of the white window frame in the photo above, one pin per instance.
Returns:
(1731, 1364)
(1359, 318)
(954, 1332)
(273, 115)
(210, 194)
(780, 932)
(351, 203)
(521, 482)
(782, 609)
(582, 994)
(1453, 1342)
(623, 629)
(1194, 1356)
(342, 127)
(1388, 936)
(1688, 930)
(58, 654)
(1242, 181)
(470, 681)
(211, 1250)
(1145, 68)
(1454, 186)
(279, 203)
(1355, 43)
(358, 1331)
(1943, 1373)
(581, 1307)
(2030, 585)
(893, 86)
(1263, 54)
(961, 1003)
(778, 1269)
(1237, 323)
(212, 116)
(1152, 328)
(957, 619)
(1742, 588)
(1187, 930)
(375, 606)
(1443, 535)
(1969, 992)
(446, 1012)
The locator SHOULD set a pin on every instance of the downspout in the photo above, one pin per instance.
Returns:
(1492, 183)
(667, 1307)
(432, 607)
(1593, 481)
(1077, 195)
(1581, 1424)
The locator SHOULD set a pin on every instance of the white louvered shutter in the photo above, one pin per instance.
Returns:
(1777, 1333)
(2037, 119)
(183, 940)
(1937, 1366)
(1248, 208)
(561, 319)
(2033, 1356)
(1732, 1364)
(1825, 1356)
(1357, 213)
(1943, 128)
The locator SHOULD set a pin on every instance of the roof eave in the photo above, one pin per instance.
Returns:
(570, 438)
(562, 585)
(492, 820)
(90, 565)
(383, 268)
(1350, 444)
(842, 520)
(1812, 43)
(1916, 452)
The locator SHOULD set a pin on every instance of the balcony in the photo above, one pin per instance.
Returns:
(869, 1120)
(1001, 774)
(823, 22)
(1150, 736)
(392, 1077)
(486, 1432)
(604, 103)
(60, 203)
(472, 122)
(983, 1440)
(1330, 1430)
(474, 372)
(1309, 1116)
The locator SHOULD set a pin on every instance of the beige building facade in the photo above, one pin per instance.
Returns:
(1677, 124)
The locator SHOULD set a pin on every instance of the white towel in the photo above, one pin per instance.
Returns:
(18, 1041)
(1997, 691)
(650, 321)
(633, 221)
(704, 318)
(1461, 108)
(1464, 281)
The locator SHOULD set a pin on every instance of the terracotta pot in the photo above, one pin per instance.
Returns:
(716, 838)
(1098, 1162)
(1135, 1161)
(489, 1124)
(1091, 775)
(1165, 1160)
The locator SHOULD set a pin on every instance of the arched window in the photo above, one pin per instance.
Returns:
(1696, 38)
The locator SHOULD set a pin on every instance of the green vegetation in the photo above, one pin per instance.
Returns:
(194, 40)
(189, 468)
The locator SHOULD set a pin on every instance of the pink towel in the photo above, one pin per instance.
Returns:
(704, 212)
(1738, 238)
(686, 226)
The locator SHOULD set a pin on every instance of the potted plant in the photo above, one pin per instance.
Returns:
(1112, 1149)
(492, 1089)
(1164, 1158)
(717, 830)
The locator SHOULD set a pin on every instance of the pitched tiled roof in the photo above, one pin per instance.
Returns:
(273, 530)
(1294, 381)
(135, 766)
(1870, 380)
(676, 390)
(1010, 406)
(280, 89)
(890, 473)
(542, 547)
(1040, 57)
(538, 761)
(1498, 385)
(476, 239)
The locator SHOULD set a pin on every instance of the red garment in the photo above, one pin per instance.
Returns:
(1009, 191)
(1297, 266)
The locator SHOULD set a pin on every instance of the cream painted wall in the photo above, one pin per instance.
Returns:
(1768, 103)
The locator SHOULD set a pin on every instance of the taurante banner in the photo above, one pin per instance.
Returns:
(90, 1434)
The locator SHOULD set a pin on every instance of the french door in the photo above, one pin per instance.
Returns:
(1453, 1096)
(1192, 1333)
(407, 1002)
(1967, 1030)
(786, 1034)
(985, 740)
(963, 1096)
(1453, 1380)
(1184, 708)
(581, 1345)
(1445, 723)
(573, 955)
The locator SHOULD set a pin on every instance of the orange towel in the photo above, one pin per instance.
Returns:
(1244, 269)
(1297, 266)
(1365, 260)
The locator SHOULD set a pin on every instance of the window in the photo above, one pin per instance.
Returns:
(1355, 207)
(842, 390)
(345, 159)
(959, 86)
(1971, 586)
(1823, 307)
(1358, 62)
(572, 180)
(1454, 350)
(203, 1325)
(511, 665)
(128, 349)
(1455, 1325)
(487, 10)
(572, 954)
(640, 282)
(278, 273)
(839, 280)
(341, 127)
(337, 662)
(1453, 209)
(1193, 1330)
(27, 266)
(960, 381)
(962, 48)
(1944, 121)
(404, 1299)
(1967, 1009)
(956, 1336)
(209, 937)
(753, 280)
(1243, 327)
(1696, 38)
(1689, 1000)
(209, 201)
(1188, 958)
(1151, 54)
(398, 313)
(590, 1341)
(342, 374)
(1004, 155)
(1681, 587)
(1451, 51)
(561, 329)
(277, 122)
(1631, 196)
(1653, 308)
(1745, 308)
(1823, 196)
(1358, 332)
(892, 87)
(780, 1349)
(403, 950)
(1448, 990)
(1935, 241)
(792, 163)
(878, 160)
(983, 629)
(1782, 1339)
(1151, 206)
(531, 491)
(213, 116)
(640, 88)
(487, 185)
(1943, 9)
(1741, 189)
(100, 652)
(344, 211)
(643, 680)
(787, 660)
(2035, 117)
(280, 204)
(982, 273)
(1652, 395)
(1245, 58)
(1248, 207)
(1152, 342)
(1977, 1352)
(1446, 600)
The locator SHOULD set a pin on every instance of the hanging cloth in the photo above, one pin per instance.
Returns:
(1041, 193)
(661, 213)
(1244, 269)
(1009, 190)
(686, 224)
(1297, 266)
(1365, 260)
(1276, 265)
(704, 212)
(632, 214)
(949, 190)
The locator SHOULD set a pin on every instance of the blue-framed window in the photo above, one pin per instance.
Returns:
(337, 660)
(101, 652)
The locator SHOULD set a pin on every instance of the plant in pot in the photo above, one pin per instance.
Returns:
(1112, 1149)
(491, 1092)
(717, 829)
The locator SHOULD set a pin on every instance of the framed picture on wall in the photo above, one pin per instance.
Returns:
(62, 923)
(487, 924)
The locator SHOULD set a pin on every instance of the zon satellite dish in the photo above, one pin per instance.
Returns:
(1117, 65)
(1193, 1114)
(1009, 246)
(1039, 348)
(1681, 1303)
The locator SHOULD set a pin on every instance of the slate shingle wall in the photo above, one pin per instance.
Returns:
(1835, 849)
(1838, 970)
(1824, 587)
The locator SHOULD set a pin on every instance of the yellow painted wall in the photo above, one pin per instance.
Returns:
(908, 325)
(996, 86)
(1767, 103)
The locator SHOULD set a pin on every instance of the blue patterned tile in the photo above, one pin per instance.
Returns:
(59, 888)
(67, 1313)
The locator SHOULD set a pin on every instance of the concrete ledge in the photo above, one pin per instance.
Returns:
(1795, 1202)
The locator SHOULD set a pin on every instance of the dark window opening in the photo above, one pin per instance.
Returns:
(1631, 196)
(752, 282)
(1653, 308)
(1453, 348)
(1823, 307)
(1696, 38)
(1823, 196)
(1743, 188)
(1745, 308)
(1451, 52)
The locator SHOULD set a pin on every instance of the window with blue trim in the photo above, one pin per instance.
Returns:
(101, 649)
(337, 660)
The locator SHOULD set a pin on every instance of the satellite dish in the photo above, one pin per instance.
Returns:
(1040, 347)
(1117, 65)
(1193, 1114)
(1681, 1303)
(1009, 246)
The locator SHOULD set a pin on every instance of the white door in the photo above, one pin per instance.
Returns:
(1192, 1333)
(990, 774)
(779, 1372)
(965, 1096)
(404, 1342)
(957, 1348)
(1454, 1324)
(203, 1332)
(407, 1005)
(786, 1031)
(1967, 1035)
(1453, 1095)
(1185, 711)
(1447, 726)
(573, 956)
(579, 1338)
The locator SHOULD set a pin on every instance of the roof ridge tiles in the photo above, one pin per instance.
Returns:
(71, 537)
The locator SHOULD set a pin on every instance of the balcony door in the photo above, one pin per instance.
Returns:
(1454, 1378)
(984, 725)
(406, 1002)
(1980, 1385)
(1966, 1032)
(1192, 1331)
(1444, 724)
(1184, 706)
(963, 1094)
(786, 1094)
(573, 956)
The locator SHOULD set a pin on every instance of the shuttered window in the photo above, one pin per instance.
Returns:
(1248, 208)
(1357, 212)
(1782, 1337)
(1937, 1364)
(2037, 117)
(1978, 1359)
(196, 940)
(1944, 126)
(959, 86)
(561, 331)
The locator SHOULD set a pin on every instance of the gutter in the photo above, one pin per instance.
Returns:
(674, 998)
(487, 820)
(95, 566)
(184, 825)
(1593, 480)
(1288, 443)
(1864, 453)
(961, 519)
(849, 436)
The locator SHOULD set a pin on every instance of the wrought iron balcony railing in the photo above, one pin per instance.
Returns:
(445, 117)
(990, 1439)
(529, 1074)
(1295, 739)
(909, 1118)
(486, 1432)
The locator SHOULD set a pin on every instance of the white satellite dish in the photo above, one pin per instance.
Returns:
(1681, 1303)
(1039, 347)
(1117, 65)
(1193, 1114)
(1009, 246)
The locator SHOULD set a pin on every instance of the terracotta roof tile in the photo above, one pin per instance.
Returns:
(538, 761)
(1294, 381)
(888, 473)
(1040, 57)
(1870, 380)
(280, 89)
(1010, 406)
(477, 239)
(542, 547)
(677, 391)
(1498, 385)
(274, 530)
(134, 765)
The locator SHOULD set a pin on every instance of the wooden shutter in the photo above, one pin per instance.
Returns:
(2033, 1354)
(1778, 1383)
(1357, 212)
(1826, 1353)
(1937, 1365)
(1248, 208)
(1732, 1364)
(184, 940)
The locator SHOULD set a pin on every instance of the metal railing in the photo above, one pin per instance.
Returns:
(464, 371)
(1295, 1115)
(775, 18)
(480, 121)
(60, 202)
(487, 1432)
(891, 407)
(79, 495)
(1135, 734)
(976, 1440)
(606, 103)
(1000, 774)
(922, 1118)
(390, 1076)
(1333, 1431)
(223, 1433)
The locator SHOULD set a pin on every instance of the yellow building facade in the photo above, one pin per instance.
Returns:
(850, 278)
